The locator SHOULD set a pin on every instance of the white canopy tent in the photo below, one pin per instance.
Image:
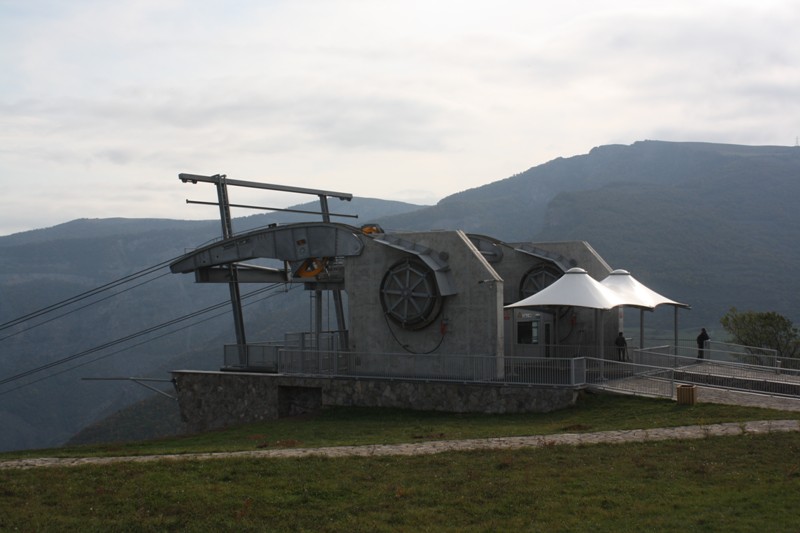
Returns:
(638, 295)
(635, 294)
(576, 288)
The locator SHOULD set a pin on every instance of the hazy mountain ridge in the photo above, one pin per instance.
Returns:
(711, 225)
(516, 206)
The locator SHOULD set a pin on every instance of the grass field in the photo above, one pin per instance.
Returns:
(744, 483)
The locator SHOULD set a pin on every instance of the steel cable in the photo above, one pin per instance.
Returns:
(129, 337)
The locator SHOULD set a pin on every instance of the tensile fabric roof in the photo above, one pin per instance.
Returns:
(635, 293)
(575, 288)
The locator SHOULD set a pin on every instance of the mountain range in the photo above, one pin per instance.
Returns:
(711, 225)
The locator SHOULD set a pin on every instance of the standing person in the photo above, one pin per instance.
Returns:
(622, 347)
(701, 343)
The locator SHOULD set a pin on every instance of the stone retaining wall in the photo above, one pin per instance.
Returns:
(210, 400)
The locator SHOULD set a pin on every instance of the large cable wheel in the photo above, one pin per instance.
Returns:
(537, 279)
(409, 295)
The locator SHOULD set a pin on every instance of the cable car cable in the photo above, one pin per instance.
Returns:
(82, 307)
(64, 371)
(128, 337)
(84, 295)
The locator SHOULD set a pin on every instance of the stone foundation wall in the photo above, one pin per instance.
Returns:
(211, 400)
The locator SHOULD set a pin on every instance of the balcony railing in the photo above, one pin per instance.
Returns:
(652, 371)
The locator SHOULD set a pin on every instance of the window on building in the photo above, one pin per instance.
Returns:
(528, 332)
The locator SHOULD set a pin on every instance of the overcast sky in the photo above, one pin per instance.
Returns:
(103, 103)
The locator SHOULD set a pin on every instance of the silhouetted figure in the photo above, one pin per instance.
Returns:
(701, 343)
(622, 347)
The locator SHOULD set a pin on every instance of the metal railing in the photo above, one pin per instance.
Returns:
(265, 355)
(629, 377)
(464, 368)
(724, 351)
(752, 355)
(405, 366)
(538, 371)
(258, 356)
(305, 340)
(713, 372)
(651, 372)
(664, 356)
(559, 351)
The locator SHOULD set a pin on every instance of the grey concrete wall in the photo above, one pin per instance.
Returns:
(471, 319)
(582, 253)
(212, 400)
(512, 268)
(474, 317)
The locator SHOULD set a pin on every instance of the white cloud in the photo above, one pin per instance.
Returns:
(401, 100)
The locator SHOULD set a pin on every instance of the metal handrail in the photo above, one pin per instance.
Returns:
(651, 372)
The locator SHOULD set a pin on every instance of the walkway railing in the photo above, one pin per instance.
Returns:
(724, 351)
(464, 368)
(264, 356)
(736, 353)
(651, 372)
(724, 374)
(628, 377)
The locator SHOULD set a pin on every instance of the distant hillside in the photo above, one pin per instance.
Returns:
(515, 208)
(153, 418)
(708, 224)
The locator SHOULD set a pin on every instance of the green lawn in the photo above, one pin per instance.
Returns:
(354, 426)
(743, 483)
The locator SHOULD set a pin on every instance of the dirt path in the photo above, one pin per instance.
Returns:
(636, 435)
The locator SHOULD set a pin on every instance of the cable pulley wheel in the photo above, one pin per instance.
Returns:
(409, 295)
(311, 267)
(537, 279)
